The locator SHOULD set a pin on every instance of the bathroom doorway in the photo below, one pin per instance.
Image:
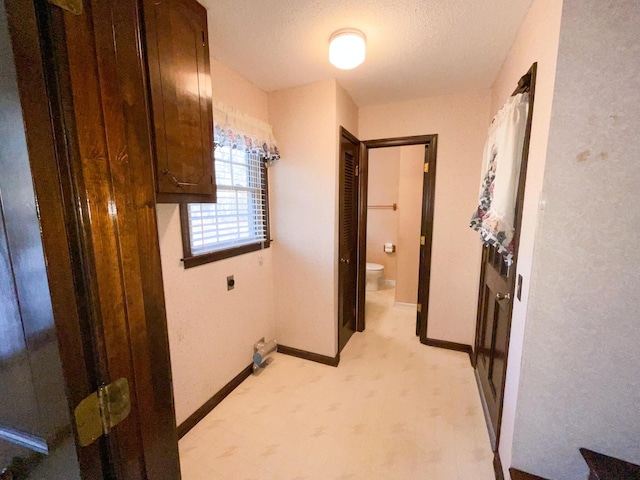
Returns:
(399, 237)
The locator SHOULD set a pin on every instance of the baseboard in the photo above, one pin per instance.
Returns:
(405, 305)
(391, 283)
(314, 357)
(497, 466)
(210, 404)
(458, 347)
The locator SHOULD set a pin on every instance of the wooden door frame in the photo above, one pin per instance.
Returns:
(527, 83)
(85, 109)
(428, 199)
(63, 261)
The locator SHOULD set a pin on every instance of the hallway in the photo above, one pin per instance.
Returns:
(393, 409)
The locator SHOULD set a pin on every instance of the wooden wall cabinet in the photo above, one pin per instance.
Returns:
(177, 46)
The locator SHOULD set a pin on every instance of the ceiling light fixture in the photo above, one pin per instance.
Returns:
(347, 48)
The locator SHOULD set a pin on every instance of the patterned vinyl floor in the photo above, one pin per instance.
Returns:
(393, 409)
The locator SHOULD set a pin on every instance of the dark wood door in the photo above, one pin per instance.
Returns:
(492, 337)
(177, 44)
(496, 296)
(82, 93)
(348, 236)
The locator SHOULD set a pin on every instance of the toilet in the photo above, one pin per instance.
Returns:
(374, 274)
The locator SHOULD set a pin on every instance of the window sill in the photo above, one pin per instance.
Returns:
(196, 260)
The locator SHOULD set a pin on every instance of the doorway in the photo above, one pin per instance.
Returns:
(426, 224)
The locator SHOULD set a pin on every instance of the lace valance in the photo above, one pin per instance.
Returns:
(233, 128)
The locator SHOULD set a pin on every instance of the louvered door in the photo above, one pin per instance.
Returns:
(348, 234)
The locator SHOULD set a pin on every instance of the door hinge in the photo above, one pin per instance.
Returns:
(426, 168)
(419, 308)
(356, 170)
(71, 6)
(423, 240)
(98, 413)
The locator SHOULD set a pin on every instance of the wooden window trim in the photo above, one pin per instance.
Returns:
(189, 260)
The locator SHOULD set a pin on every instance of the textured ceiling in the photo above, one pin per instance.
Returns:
(415, 48)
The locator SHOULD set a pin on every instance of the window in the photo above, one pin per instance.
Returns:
(238, 223)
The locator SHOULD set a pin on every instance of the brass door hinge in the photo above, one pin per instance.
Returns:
(426, 168)
(356, 170)
(423, 240)
(98, 413)
(72, 6)
(419, 308)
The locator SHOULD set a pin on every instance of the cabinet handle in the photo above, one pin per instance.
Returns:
(175, 181)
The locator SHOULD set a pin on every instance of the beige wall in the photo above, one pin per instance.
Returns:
(303, 222)
(537, 41)
(409, 222)
(382, 225)
(579, 383)
(211, 330)
(461, 124)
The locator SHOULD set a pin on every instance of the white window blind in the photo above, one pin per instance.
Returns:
(239, 217)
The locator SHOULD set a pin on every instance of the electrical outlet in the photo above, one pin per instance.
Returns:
(230, 282)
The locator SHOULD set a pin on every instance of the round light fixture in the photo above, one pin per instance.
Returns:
(347, 48)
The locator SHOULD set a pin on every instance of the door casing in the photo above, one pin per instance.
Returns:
(87, 126)
(428, 198)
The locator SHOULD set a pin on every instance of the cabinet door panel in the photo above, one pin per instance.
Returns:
(178, 56)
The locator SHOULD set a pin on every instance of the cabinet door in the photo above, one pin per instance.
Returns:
(178, 57)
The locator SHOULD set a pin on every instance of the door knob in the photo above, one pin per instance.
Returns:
(503, 296)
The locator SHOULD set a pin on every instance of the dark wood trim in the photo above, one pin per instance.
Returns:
(99, 63)
(527, 83)
(189, 260)
(399, 141)
(428, 200)
(213, 402)
(426, 228)
(497, 466)
(41, 105)
(185, 198)
(363, 195)
(458, 347)
(314, 357)
(520, 475)
(351, 137)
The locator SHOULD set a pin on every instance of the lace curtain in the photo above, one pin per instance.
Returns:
(494, 218)
(237, 130)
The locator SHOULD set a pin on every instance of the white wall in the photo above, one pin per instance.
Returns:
(211, 330)
(303, 222)
(304, 204)
(537, 41)
(382, 224)
(579, 385)
(409, 222)
(461, 124)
